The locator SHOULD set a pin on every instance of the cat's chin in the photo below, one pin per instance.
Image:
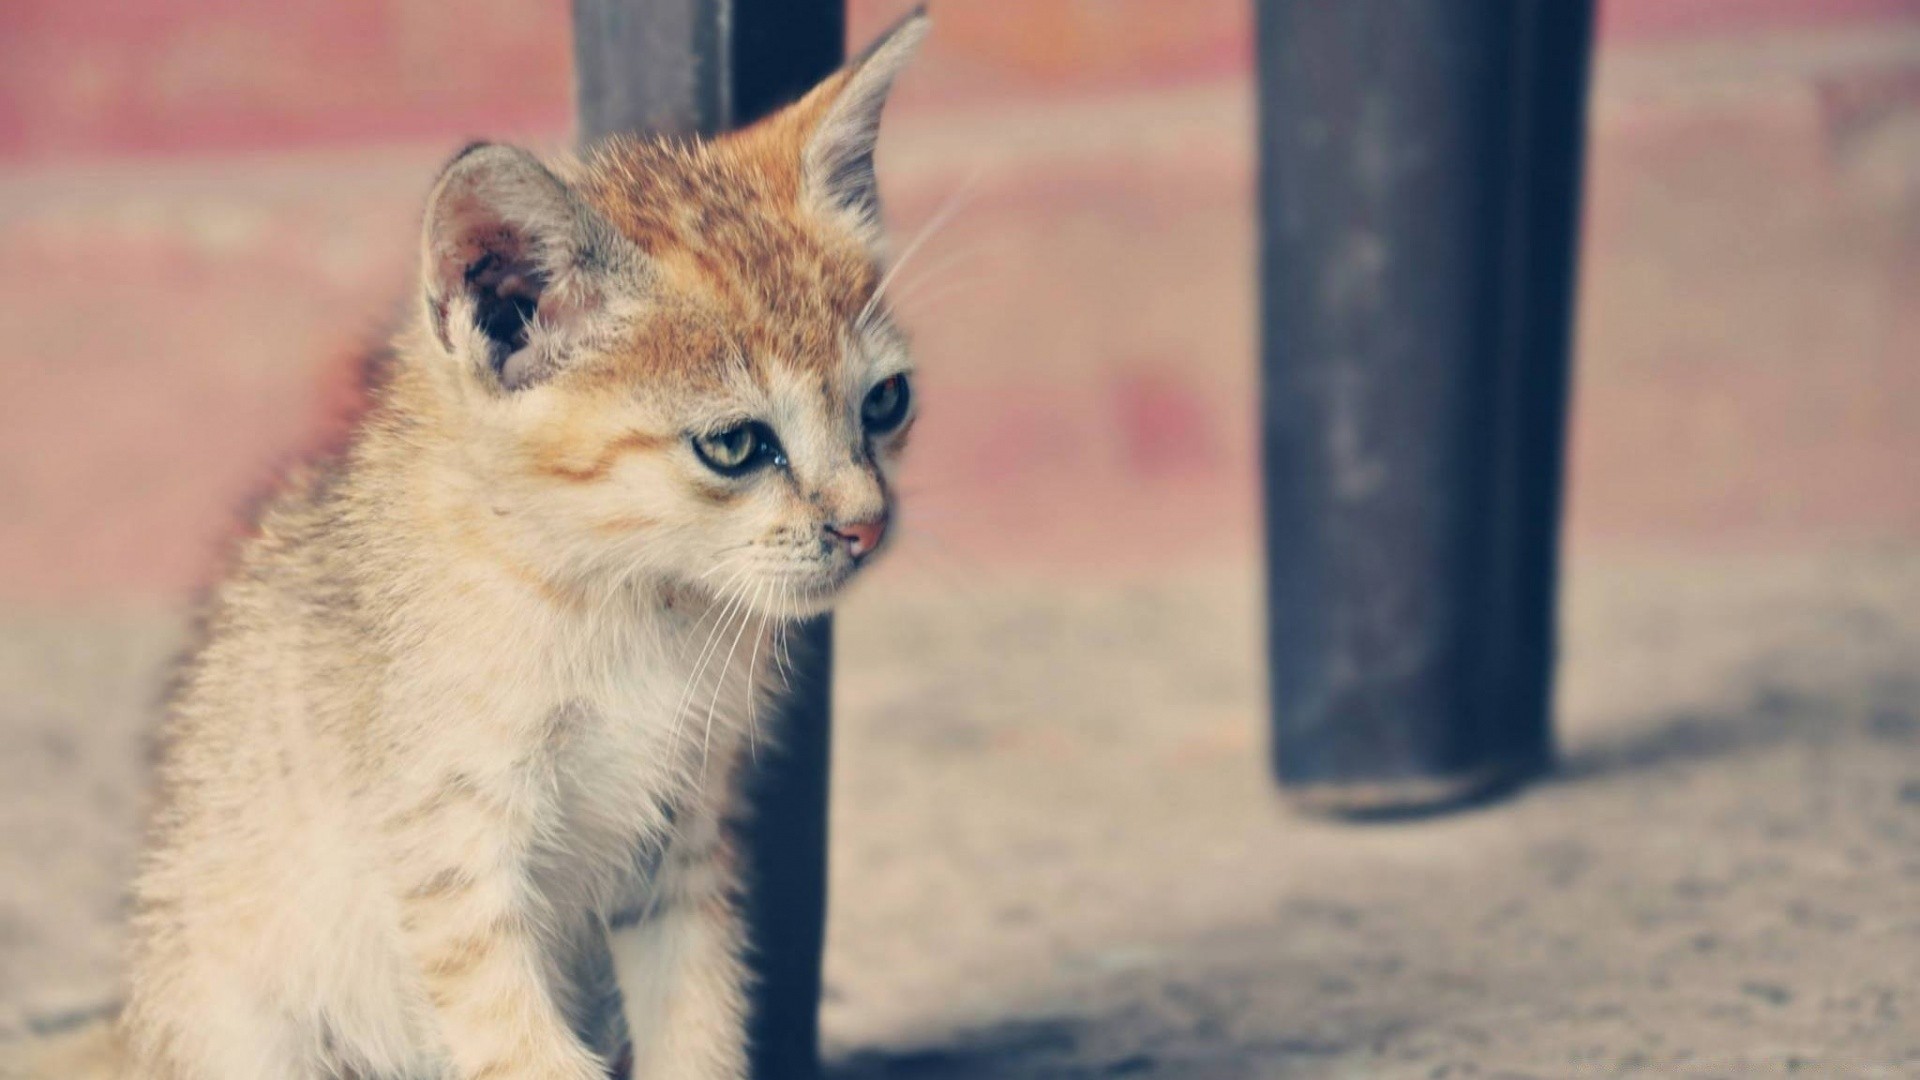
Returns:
(794, 599)
(817, 596)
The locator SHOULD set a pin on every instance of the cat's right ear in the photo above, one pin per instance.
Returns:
(840, 121)
(517, 271)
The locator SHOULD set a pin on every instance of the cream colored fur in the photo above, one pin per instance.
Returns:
(465, 721)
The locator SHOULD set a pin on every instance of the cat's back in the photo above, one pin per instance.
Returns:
(280, 641)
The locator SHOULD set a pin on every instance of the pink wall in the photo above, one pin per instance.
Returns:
(105, 78)
(209, 207)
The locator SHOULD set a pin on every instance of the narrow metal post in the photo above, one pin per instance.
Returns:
(1419, 178)
(703, 66)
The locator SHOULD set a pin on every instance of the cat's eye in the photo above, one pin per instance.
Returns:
(886, 405)
(740, 449)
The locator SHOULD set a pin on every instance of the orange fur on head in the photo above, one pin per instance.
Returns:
(605, 313)
(466, 706)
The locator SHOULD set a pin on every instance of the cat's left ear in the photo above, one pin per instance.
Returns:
(519, 273)
(841, 119)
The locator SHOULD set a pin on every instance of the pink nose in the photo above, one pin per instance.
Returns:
(861, 536)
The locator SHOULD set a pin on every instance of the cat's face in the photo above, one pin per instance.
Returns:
(678, 358)
(745, 456)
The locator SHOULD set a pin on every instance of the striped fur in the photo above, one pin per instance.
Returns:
(459, 739)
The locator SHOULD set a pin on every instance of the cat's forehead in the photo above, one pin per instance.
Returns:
(727, 220)
(683, 345)
(741, 271)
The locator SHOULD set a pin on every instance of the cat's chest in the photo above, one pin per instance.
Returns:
(638, 739)
(660, 691)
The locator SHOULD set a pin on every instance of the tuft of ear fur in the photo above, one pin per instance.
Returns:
(516, 269)
(837, 158)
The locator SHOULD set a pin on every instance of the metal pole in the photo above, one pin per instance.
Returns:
(703, 66)
(1419, 168)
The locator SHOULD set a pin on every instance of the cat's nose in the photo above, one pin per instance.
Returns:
(861, 536)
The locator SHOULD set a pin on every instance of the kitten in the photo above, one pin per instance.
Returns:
(468, 708)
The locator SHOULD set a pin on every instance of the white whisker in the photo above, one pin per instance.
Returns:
(925, 301)
(782, 656)
(706, 656)
(753, 687)
(726, 668)
(946, 213)
(932, 275)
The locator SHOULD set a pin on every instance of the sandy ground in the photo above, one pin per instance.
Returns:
(1057, 853)
(1095, 878)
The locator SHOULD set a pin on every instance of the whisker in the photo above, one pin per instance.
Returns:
(726, 668)
(922, 303)
(783, 652)
(706, 655)
(720, 595)
(717, 567)
(953, 575)
(946, 213)
(753, 689)
(973, 568)
(931, 275)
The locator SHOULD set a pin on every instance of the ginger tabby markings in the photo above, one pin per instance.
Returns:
(456, 750)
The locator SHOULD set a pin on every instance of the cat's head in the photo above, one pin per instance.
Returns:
(675, 358)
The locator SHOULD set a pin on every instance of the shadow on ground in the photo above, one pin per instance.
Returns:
(1674, 900)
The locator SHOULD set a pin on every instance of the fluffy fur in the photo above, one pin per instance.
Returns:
(459, 741)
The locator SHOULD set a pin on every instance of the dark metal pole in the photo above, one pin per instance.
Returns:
(703, 66)
(1420, 164)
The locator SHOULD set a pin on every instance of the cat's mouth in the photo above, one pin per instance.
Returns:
(790, 596)
(815, 593)
(814, 589)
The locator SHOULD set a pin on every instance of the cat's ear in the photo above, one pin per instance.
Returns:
(841, 121)
(517, 270)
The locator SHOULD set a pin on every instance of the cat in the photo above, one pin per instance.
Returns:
(463, 724)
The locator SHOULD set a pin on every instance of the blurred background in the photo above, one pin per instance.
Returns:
(1056, 849)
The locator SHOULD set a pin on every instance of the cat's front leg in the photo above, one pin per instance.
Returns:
(474, 926)
(677, 954)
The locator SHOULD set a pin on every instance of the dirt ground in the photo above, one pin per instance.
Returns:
(1061, 858)
(1057, 854)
